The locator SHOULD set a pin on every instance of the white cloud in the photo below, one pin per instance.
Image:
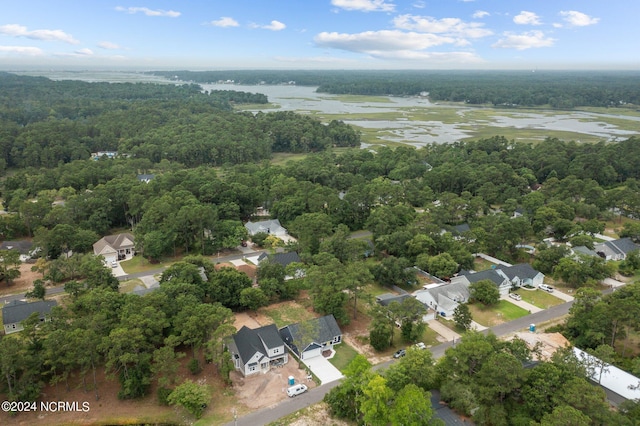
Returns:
(479, 14)
(84, 52)
(528, 40)
(577, 19)
(22, 50)
(148, 12)
(108, 45)
(45, 35)
(449, 26)
(527, 18)
(395, 45)
(380, 41)
(225, 22)
(365, 5)
(273, 26)
(419, 4)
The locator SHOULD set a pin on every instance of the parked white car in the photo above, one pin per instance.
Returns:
(296, 390)
(114, 264)
(515, 296)
(420, 345)
(545, 287)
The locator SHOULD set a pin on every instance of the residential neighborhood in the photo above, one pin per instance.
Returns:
(250, 267)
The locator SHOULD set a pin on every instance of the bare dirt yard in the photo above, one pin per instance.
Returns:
(23, 283)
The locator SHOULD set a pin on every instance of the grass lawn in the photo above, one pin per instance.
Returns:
(285, 314)
(129, 285)
(480, 264)
(494, 315)
(344, 355)
(539, 298)
(140, 264)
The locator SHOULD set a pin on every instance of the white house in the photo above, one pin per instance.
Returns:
(271, 227)
(115, 247)
(445, 298)
(257, 350)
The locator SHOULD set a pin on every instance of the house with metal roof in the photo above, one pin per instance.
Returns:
(13, 313)
(257, 350)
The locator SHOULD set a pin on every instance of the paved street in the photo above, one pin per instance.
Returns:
(316, 395)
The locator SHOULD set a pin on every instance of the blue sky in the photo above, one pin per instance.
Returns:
(316, 34)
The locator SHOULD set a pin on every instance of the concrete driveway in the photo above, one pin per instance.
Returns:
(524, 305)
(323, 369)
(117, 271)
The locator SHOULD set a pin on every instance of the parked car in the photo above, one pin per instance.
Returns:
(114, 264)
(296, 390)
(400, 353)
(515, 296)
(420, 345)
(546, 288)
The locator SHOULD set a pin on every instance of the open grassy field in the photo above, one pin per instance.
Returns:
(494, 315)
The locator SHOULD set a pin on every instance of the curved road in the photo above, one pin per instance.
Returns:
(271, 414)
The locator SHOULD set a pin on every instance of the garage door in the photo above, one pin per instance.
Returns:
(312, 352)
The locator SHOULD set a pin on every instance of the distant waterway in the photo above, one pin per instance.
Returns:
(402, 126)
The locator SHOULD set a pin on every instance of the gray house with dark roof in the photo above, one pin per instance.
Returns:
(257, 350)
(24, 247)
(387, 298)
(15, 312)
(283, 259)
(617, 249)
(504, 277)
(310, 338)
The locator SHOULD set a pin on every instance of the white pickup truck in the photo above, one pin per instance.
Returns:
(545, 287)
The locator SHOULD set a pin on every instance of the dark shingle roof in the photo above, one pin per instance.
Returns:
(18, 310)
(22, 246)
(387, 298)
(286, 258)
(249, 341)
(323, 329)
(521, 270)
(489, 274)
(623, 245)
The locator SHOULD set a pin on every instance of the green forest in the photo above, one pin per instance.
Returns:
(212, 171)
(555, 89)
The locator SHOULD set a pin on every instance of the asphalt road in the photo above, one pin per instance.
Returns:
(52, 291)
(271, 414)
